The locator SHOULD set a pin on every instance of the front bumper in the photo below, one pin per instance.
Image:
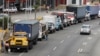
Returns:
(17, 46)
(84, 32)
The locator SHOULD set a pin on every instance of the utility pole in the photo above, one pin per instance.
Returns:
(40, 5)
(9, 15)
(3, 12)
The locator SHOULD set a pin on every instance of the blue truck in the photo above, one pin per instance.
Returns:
(25, 34)
(79, 11)
(93, 10)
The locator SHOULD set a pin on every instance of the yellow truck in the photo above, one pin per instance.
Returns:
(25, 34)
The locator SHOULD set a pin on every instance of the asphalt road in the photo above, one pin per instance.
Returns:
(67, 42)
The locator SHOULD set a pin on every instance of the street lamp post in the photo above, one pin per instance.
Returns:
(3, 12)
(40, 5)
(8, 17)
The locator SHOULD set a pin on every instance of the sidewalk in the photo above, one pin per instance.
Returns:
(24, 16)
(2, 34)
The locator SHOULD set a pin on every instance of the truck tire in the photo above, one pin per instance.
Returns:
(40, 39)
(26, 49)
(35, 41)
(12, 49)
(30, 46)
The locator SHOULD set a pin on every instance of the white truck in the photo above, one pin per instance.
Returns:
(43, 30)
(54, 22)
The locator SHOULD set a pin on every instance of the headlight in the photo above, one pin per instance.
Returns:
(81, 29)
(25, 43)
(12, 43)
(40, 34)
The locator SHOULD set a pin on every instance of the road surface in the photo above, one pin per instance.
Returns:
(67, 42)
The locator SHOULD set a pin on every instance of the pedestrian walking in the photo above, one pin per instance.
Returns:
(46, 37)
(47, 8)
(2, 46)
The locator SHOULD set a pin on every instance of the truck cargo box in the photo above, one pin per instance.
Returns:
(31, 27)
(79, 11)
(93, 9)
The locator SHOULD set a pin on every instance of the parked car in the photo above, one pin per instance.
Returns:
(85, 29)
(12, 9)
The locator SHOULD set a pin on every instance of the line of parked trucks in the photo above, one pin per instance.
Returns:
(26, 33)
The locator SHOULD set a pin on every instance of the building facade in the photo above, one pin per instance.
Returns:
(77, 2)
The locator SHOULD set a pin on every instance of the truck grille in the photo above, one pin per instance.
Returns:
(18, 42)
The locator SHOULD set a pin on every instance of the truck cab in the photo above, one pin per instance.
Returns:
(43, 30)
(54, 22)
(25, 34)
(67, 18)
(61, 15)
(70, 17)
(18, 41)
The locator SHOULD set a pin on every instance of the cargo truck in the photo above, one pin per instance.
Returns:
(43, 29)
(54, 22)
(25, 34)
(93, 10)
(79, 11)
(67, 18)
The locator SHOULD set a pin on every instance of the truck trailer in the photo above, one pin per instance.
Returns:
(25, 34)
(79, 11)
(93, 10)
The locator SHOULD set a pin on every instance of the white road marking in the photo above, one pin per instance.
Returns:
(48, 55)
(62, 41)
(95, 33)
(85, 43)
(21, 54)
(54, 48)
(69, 36)
(80, 50)
(89, 38)
(99, 30)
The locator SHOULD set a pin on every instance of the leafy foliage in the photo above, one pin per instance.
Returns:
(5, 21)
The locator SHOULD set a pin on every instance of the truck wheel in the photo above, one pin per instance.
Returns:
(12, 49)
(35, 42)
(40, 39)
(57, 29)
(30, 46)
(26, 49)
